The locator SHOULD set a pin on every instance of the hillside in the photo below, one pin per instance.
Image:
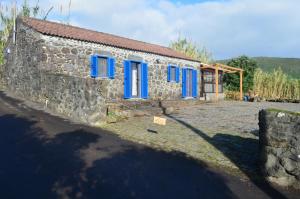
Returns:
(290, 66)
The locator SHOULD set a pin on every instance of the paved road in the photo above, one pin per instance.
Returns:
(43, 156)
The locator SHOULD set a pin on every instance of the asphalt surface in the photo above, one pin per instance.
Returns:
(44, 156)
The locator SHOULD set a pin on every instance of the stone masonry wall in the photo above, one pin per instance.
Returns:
(56, 72)
(25, 75)
(279, 138)
(72, 57)
(21, 73)
(212, 96)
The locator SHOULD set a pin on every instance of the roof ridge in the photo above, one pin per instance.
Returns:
(96, 31)
(124, 42)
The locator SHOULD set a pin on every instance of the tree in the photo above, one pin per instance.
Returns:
(1, 48)
(7, 19)
(190, 49)
(232, 80)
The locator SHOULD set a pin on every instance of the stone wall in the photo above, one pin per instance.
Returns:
(21, 73)
(279, 138)
(56, 72)
(212, 96)
(72, 57)
(27, 75)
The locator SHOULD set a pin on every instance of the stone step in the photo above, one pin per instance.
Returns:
(136, 108)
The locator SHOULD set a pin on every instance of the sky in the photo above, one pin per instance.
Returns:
(227, 28)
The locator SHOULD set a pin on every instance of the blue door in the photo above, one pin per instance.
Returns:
(135, 79)
(189, 83)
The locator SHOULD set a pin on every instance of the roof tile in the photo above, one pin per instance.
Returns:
(72, 32)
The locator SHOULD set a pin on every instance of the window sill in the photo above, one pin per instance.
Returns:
(101, 78)
(135, 99)
(189, 98)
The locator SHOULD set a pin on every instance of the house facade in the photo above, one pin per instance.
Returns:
(76, 72)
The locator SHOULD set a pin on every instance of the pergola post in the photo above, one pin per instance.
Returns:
(241, 85)
(217, 82)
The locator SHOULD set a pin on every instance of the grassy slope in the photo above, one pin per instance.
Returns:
(291, 66)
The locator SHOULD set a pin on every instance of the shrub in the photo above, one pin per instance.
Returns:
(232, 95)
(276, 85)
(190, 49)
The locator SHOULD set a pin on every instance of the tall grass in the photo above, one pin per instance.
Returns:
(7, 18)
(276, 85)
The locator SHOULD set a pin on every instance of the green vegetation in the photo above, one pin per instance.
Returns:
(276, 85)
(190, 49)
(232, 80)
(290, 66)
(283, 111)
(267, 82)
(2, 44)
(7, 20)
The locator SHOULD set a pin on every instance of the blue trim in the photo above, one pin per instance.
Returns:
(144, 80)
(184, 82)
(143, 83)
(169, 73)
(110, 66)
(177, 73)
(195, 83)
(93, 65)
(127, 79)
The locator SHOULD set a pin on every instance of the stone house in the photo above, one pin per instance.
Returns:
(76, 72)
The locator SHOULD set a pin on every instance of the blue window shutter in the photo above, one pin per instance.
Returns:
(111, 68)
(195, 84)
(177, 74)
(127, 79)
(184, 82)
(169, 73)
(94, 68)
(144, 81)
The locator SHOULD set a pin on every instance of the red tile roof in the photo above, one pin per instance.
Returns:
(72, 32)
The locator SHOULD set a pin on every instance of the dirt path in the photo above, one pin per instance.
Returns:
(224, 134)
(43, 156)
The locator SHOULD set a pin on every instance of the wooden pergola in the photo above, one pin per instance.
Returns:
(226, 69)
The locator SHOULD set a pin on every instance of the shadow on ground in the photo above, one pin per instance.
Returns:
(36, 166)
(240, 151)
(31, 164)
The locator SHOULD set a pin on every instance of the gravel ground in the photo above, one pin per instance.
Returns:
(223, 134)
(230, 115)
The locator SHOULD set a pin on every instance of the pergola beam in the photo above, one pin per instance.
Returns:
(229, 67)
(220, 69)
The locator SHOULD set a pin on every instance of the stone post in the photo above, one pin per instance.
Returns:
(279, 141)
